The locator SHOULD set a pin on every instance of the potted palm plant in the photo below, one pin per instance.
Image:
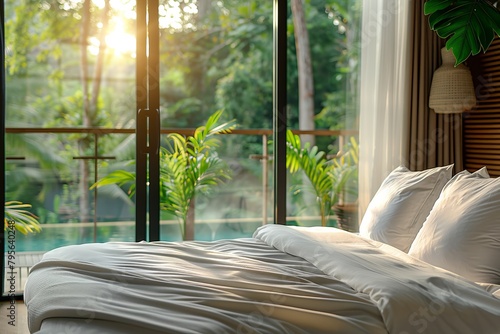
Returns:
(188, 165)
(331, 180)
(346, 209)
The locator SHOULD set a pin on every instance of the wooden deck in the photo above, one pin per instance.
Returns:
(22, 264)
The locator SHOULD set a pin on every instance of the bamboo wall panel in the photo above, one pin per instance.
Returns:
(482, 124)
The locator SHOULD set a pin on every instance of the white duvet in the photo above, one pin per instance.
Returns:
(284, 280)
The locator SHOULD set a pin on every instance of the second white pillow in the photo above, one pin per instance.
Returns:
(462, 232)
(402, 203)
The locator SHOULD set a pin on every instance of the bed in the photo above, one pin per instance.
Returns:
(290, 279)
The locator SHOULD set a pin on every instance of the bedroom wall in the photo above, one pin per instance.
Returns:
(481, 126)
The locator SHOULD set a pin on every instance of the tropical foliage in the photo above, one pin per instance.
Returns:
(188, 166)
(469, 25)
(330, 179)
(24, 221)
(214, 55)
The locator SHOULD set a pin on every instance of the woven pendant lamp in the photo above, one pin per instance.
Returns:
(452, 89)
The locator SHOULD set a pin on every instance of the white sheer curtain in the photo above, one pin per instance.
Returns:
(385, 92)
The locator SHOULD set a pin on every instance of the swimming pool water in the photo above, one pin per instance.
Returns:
(57, 235)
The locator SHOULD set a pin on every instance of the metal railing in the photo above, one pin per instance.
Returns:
(97, 133)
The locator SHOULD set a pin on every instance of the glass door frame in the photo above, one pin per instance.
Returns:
(148, 121)
(279, 108)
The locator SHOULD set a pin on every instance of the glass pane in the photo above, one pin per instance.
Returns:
(70, 114)
(217, 55)
(323, 73)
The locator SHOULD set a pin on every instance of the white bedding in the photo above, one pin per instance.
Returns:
(284, 280)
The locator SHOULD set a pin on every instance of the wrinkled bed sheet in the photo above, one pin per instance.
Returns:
(284, 280)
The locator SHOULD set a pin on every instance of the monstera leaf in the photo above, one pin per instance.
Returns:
(469, 25)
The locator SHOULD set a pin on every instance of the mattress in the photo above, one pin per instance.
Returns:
(283, 280)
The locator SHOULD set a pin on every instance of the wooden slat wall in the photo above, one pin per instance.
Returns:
(482, 125)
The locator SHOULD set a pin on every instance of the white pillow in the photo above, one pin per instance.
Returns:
(462, 232)
(483, 172)
(399, 208)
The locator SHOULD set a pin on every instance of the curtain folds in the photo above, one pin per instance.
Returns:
(384, 91)
(435, 139)
(398, 58)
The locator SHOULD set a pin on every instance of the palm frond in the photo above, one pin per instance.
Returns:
(24, 221)
(329, 179)
(187, 165)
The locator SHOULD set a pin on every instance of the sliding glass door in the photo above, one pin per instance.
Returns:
(70, 113)
(217, 61)
(323, 67)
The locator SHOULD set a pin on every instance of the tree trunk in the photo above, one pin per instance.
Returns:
(352, 103)
(203, 7)
(90, 98)
(306, 86)
(96, 84)
(305, 75)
